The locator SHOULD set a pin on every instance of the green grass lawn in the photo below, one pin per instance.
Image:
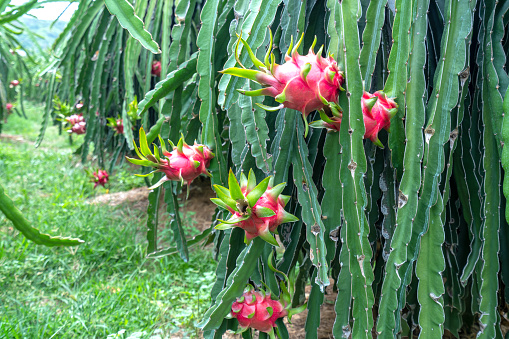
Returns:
(104, 286)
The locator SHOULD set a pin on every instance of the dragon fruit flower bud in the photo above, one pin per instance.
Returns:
(257, 209)
(304, 82)
(377, 111)
(9, 106)
(100, 178)
(156, 68)
(184, 163)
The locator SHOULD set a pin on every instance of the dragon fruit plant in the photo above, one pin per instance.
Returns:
(259, 311)
(184, 163)
(377, 111)
(156, 69)
(116, 124)
(100, 177)
(257, 209)
(304, 82)
(77, 124)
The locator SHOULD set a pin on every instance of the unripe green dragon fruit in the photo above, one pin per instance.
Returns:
(184, 163)
(304, 82)
(257, 209)
(377, 111)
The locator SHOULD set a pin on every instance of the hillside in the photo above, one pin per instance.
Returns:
(42, 33)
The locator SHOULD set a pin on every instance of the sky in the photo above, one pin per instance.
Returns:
(51, 11)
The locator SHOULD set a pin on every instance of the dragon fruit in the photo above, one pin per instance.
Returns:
(156, 68)
(304, 82)
(79, 106)
(257, 209)
(117, 125)
(377, 111)
(100, 178)
(185, 163)
(14, 83)
(78, 124)
(256, 309)
(9, 106)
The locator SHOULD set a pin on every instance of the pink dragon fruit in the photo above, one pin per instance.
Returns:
(78, 124)
(377, 111)
(185, 163)
(259, 311)
(14, 83)
(100, 178)
(256, 309)
(9, 107)
(79, 106)
(117, 125)
(257, 209)
(304, 82)
(156, 68)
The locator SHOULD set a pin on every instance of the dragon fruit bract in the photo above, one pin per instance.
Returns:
(377, 111)
(78, 124)
(304, 82)
(183, 164)
(257, 209)
(100, 178)
(256, 309)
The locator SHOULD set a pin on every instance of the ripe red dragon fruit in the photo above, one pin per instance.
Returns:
(184, 163)
(257, 209)
(156, 68)
(78, 124)
(256, 309)
(117, 125)
(14, 83)
(377, 111)
(9, 106)
(259, 311)
(100, 178)
(304, 82)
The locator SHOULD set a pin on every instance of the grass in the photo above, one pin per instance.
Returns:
(103, 287)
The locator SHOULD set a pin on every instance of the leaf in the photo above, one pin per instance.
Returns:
(166, 86)
(124, 12)
(23, 225)
(246, 263)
